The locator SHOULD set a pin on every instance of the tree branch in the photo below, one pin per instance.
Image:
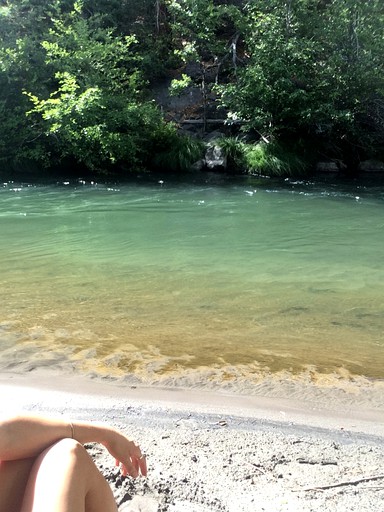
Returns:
(340, 484)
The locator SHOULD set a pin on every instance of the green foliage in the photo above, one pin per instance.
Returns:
(204, 31)
(179, 85)
(146, 20)
(174, 152)
(268, 158)
(273, 159)
(95, 55)
(308, 69)
(75, 75)
(85, 96)
(95, 128)
(235, 152)
(314, 69)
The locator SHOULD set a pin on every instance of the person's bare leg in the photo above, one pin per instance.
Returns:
(65, 479)
(14, 475)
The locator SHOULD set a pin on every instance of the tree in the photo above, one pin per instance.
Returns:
(75, 75)
(21, 63)
(86, 101)
(315, 71)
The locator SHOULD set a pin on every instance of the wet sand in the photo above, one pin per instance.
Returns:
(218, 452)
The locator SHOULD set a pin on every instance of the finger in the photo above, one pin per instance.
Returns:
(123, 468)
(143, 465)
(139, 460)
(135, 463)
(128, 468)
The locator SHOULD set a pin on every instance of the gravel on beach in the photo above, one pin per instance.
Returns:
(215, 465)
(204, 457)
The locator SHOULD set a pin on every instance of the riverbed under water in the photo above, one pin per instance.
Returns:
(190, 283)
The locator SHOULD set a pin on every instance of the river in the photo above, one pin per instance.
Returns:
(219, 282)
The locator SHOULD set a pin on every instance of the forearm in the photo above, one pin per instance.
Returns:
(27, 436)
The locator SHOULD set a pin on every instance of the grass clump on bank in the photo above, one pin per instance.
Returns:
(273, 159)
(263, 157)
(174, 152)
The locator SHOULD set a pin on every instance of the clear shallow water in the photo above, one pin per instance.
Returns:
(191, 283)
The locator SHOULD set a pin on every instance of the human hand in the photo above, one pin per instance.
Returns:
(127, 454)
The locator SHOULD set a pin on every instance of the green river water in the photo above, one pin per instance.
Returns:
(190, 282)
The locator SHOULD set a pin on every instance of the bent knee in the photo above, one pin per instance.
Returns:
(67, 444)
(66, 448)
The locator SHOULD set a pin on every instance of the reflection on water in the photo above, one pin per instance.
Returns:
(157, 280)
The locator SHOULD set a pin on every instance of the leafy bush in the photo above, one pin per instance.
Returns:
(267, 158)
(234, 150)
(91, 110)
(174, 152)
(93, 127)
(314, 69)
(272, 159)
(74, 75)
(179, 86)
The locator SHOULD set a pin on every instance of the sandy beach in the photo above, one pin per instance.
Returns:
(216, 452)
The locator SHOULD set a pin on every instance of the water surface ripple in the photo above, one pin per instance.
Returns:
(194, 284)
